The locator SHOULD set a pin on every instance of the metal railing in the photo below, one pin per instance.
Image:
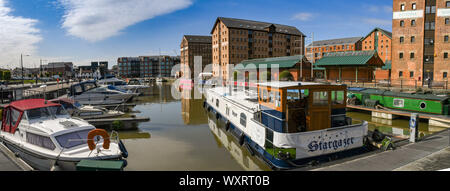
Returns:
(401, 84)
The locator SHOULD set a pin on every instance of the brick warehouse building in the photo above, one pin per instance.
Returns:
(147, 66)
(235, 40)
(191, 46)
(317, 49)
(421, 30)
(381, 41)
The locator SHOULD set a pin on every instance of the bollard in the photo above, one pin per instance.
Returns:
(413, 128)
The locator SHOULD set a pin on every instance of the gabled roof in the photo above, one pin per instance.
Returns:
(332, 42)
(282, 62)
(28, 104)
(385, 32)
(198, 38)
(353, 58)
(257, 26)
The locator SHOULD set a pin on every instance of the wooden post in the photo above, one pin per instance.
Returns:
(356, 74)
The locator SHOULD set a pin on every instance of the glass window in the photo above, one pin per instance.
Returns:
(320, 98)
(445, 54)
(414, 6)
(243, 120)
(446, 38)
(37, 113)
(338, 97)
(73, 139)
(402, 7)
(411, 74)
(58, 111)
(14, 117)
(413, 39)
(447, 21)
(411, 55)
(400, 55)
(447, 4)
(400, 74)
(40, 141)
(402, 23)
(413, 22)
(445, 75)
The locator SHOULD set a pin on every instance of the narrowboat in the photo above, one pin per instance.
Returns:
(413, 102)
(288, 122)
(44, 135)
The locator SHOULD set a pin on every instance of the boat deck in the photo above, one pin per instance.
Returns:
(238, 97)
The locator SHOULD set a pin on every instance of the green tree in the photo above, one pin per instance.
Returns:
(7, 75)
(286, 76)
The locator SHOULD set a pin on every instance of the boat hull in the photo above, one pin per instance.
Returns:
(43, 163)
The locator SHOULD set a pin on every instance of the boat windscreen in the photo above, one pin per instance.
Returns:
(58, 111)
(73, 139)
(38, 113)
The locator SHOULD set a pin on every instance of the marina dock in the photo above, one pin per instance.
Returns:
(430, 153)
(434, 120)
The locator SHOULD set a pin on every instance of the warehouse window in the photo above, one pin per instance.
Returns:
(446, 38)
(447, 4)
(402, 39)
(402, 23)
(411, 74)
(447, 21)
(445, 55)
(411, 55)
(400, 74)
(402, 7)
(413, 22)
(414, 6)
(413, 39)
(400, 55)
(444, 75)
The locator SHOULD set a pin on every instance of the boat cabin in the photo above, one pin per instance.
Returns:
(294, 107)
(80, 88)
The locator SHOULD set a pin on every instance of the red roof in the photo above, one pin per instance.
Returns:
(32, 104)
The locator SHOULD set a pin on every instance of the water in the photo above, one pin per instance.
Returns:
(182, 136)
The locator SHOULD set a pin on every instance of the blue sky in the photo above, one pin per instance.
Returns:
(87, 30)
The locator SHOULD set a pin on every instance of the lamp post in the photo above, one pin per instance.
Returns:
(21, 63)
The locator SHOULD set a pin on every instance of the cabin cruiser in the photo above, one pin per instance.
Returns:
(89, 93)
(122, 85)
(288, 122)
(75, 109)
(44, 135)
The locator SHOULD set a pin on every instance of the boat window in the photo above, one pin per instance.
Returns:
(272, 97)
(243, 120)
(57, 111)
(217, 102)
(40, 141)
(38, 113)
(278, 99)
(320, 98)
(78, 90)
(14, 117)
(337, 97)
(265, 95)
(293, 95)
(90, 86)
(77, 104)
(73, 139)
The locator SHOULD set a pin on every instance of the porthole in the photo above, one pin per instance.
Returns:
(423, 105)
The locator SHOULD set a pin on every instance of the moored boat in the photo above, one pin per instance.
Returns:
(76, 109)
(288, 122)
(44, 135)
(89, 93)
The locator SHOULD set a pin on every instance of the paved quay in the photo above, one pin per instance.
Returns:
(9, 162)
(429, 154)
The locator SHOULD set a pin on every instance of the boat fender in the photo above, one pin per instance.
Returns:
(217, 115)
(249, 149)
(227, 125)
(204, 104)
(123, 149)
(209, 109)
(241, 139)
(98, 132)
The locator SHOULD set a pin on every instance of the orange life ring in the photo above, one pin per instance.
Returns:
(98, 132)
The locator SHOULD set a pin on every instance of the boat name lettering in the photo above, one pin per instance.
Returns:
(336, 144)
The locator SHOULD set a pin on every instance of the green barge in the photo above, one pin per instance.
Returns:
(412, 102)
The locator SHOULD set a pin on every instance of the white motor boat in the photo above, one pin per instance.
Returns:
(44, 135)
(89, 93)
(121, 85)
(76, 109)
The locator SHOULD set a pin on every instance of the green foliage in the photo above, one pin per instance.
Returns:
(117, 125)
(286, 76)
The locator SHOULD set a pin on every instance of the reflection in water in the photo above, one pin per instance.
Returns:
(134, 135)
(192, 109)
(240, 154)
(396, 127)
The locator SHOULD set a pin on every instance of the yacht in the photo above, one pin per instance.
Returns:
(44, 135)
(286, 123)
(75, 109)
(89, 93)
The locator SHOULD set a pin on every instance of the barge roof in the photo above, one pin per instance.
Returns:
(400, 94)
(277, 84)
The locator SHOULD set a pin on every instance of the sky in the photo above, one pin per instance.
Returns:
(81, 31)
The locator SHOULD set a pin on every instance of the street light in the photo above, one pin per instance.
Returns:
(21, 62)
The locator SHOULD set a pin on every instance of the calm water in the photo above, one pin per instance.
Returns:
(182, 136)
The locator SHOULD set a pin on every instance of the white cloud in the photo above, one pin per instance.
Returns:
(17, 35)
(96, 20)
(374, 21)
(303, 16)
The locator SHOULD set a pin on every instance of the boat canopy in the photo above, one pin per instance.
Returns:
(12, 114)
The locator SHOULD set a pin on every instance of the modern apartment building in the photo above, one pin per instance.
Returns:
(317, 49)
(191, 46)
(235, 40)
(147, 66)
(420, 42)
